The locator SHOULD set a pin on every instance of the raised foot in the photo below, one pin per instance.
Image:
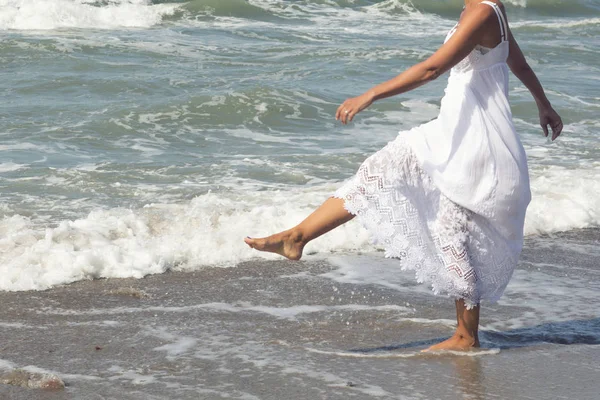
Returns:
(456, 343)
(288, 244)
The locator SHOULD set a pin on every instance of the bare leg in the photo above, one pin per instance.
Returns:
(290, 243)
(466, 335)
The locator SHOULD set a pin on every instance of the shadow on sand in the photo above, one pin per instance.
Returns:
(566, 333)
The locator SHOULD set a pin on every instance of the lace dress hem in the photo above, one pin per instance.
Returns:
(396, 201)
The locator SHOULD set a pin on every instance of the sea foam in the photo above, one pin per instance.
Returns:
(209, 231)
(55, 14)
(563, 199)
(120, 243)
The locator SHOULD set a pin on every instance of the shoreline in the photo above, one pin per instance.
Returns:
(301, 330)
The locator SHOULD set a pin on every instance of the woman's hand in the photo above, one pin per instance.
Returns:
(353, 106)
(550, 117)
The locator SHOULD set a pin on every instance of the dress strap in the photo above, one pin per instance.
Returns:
(501, 19)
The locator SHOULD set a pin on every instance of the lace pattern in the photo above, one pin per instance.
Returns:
(446, 245)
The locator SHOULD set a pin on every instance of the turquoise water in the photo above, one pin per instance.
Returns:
(137, 136)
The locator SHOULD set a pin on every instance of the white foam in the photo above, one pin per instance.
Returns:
(10, 166)
(18, 325)
(518, 3)
(563, 199)
(544, 298)
(410, 354)
(179, 346)
(557, 24)
(293, 312)
(373, 269)
(209, 230)
(43, 371)
(289, 313)
(336, 381)
(25, 146)
(136, 377)
(35, 15)
(4, 365)
(326, 20)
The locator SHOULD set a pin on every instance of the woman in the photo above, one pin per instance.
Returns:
(447, 198)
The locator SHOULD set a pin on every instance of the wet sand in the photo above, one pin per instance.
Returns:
(292, 330)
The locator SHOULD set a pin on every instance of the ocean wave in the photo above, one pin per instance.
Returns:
(118, 243)
(557, 24)
(451, 7)
(552, 7)
(208, 231)
(230, 8)
(563, 199)
(36, 15)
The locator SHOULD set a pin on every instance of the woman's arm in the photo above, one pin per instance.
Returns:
(519, 66)
(471, 28)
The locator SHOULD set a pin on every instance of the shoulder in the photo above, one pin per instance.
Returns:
(496, 2)
(479, 14)
(484, 10)
(487, 9)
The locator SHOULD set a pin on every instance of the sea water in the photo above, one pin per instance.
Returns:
(139, 136)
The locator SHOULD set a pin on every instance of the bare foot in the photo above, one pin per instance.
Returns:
(456, 343)
(288, 244)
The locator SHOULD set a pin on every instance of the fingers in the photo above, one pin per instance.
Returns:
(344, 114)
(551, 118)
(349, 115)
(338, 113)
(544, 126)
(556, 130)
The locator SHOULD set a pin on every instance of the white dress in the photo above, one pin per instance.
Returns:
(448, 198)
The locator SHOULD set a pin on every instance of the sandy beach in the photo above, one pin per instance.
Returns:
(307, 330)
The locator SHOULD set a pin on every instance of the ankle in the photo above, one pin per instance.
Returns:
(297, 236)
(471, 338)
